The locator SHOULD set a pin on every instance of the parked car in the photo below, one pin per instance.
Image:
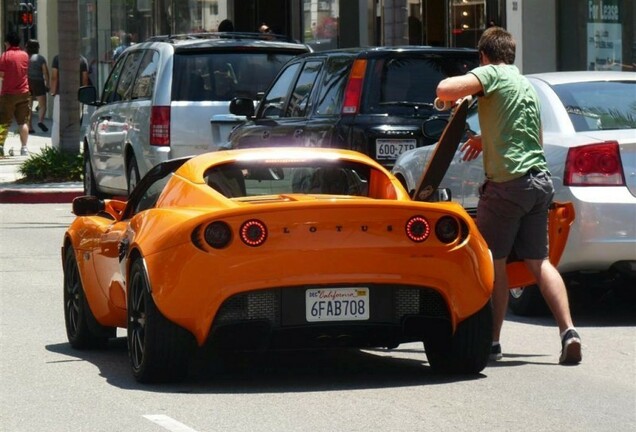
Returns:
(169, 97)
(589, 135)
(233, 249)
(372, 100)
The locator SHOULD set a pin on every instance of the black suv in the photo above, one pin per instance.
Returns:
(373, 100)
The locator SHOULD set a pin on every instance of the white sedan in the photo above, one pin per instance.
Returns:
(589, 134)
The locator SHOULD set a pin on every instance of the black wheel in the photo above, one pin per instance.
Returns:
(468, 350)
(82, 329)
(159, 350)
(132, 174)
(527, 301)
(90, 185)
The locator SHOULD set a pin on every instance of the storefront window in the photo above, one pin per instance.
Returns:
(321, 23)
(604, 36)
(468, 21)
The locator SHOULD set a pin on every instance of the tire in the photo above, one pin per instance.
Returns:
(132, 174)
(527, 301)
(159, 350)
(90, 185)
(468, 350)
(82, 329)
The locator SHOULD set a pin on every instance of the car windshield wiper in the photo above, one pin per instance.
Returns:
(407, 103)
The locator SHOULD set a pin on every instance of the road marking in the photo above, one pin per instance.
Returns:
(168, 423)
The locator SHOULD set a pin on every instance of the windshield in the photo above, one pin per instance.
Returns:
(216, 76)
(599, 105)
(243, 179)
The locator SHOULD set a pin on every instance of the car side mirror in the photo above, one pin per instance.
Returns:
(88, 95)
(87, 205)
(433, 127)
(242, 107)
(440, 195)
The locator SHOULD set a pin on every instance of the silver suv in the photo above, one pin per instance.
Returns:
(169, 97)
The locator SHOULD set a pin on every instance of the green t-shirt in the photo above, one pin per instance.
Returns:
(510, 123)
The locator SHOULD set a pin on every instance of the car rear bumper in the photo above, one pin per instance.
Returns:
(604, 231)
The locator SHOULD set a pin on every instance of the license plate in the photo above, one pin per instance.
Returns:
(392, 148)
(337, 304)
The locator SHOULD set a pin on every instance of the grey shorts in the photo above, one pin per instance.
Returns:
(513, 216)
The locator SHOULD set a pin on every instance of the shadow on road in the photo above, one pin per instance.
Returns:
(596, 304)
(275, 372)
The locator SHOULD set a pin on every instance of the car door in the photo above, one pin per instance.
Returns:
(112, 124)
(281, 118)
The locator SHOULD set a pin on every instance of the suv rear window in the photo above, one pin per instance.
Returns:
(410, 80)
(223, 76)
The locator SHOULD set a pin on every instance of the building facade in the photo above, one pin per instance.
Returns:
(551, 35)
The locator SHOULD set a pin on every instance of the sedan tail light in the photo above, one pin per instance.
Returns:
(594, 165)
(160, 126)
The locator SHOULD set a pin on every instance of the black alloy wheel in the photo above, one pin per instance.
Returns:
(132, 174)
(90, 185)
(82, 329)
(468, 350)
(159, 350)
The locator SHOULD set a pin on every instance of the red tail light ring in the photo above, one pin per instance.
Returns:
(253, 232)
(418, 229)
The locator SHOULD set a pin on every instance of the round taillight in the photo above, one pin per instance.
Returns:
(418, 229)
(218, 235)
(253, 232)
(447, 229)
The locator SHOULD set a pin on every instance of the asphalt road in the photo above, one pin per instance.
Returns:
(47, 386)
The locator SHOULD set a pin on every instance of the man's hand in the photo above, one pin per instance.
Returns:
(471, 148)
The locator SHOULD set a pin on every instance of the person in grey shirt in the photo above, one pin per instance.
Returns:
(38, 81)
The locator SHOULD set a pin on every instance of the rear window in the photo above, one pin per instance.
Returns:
(599, 105)
(245, 180)
(223, 76)
(396, 84)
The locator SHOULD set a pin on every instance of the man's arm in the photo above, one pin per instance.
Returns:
(453, 88)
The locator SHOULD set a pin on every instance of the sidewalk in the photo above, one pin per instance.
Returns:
(12, 192)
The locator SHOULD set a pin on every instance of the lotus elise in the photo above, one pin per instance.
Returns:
(270, 249)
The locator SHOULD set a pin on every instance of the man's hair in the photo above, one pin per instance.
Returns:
(498, 45)
(32, 46)
(12, 38)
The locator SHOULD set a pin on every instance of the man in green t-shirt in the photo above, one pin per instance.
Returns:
(512, 213)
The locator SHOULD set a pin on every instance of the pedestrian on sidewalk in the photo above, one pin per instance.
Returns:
(55, 86)
(15, 97)
(38, 82)
(512, 213)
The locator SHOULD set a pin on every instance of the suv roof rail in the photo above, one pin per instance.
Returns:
(221, 35)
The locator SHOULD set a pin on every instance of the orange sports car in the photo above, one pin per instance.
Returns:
(275, 248)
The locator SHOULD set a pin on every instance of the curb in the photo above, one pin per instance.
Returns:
(36, 196)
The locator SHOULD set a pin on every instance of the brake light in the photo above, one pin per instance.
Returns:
(253, 232)
(354, 87)
(417, 229)
(594, 165)
(160, 126)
